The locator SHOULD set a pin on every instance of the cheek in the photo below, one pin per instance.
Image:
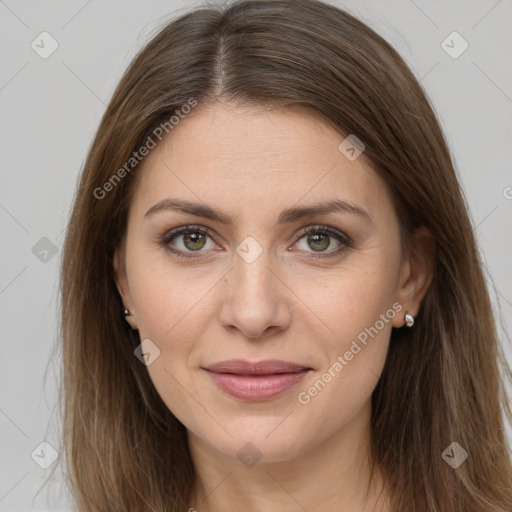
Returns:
(352, 299)
(168, 299)
(356, 309)
(170, 309)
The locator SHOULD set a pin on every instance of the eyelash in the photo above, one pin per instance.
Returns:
(346, 241)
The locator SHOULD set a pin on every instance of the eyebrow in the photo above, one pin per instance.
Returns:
(286, 216)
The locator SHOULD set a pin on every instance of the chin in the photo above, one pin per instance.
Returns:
(259, 439)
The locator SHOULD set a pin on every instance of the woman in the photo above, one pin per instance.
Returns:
(272, 297)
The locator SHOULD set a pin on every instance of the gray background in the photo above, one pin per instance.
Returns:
(50, 109)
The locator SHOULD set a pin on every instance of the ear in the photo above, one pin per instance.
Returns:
(123, 287)
(416, 273)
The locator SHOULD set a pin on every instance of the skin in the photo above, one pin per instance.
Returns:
(252, 164)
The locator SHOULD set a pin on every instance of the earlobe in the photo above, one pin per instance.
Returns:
(416, 274)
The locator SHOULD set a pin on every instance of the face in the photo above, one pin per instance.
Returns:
(249, 283)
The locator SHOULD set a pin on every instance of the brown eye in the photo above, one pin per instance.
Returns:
(319, 238)
(186, 239)
(318, 242)
(194, 241)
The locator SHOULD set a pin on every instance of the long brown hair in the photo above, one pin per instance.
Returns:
(441, 382)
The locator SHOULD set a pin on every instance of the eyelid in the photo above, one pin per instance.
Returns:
(319, 228)
(169, 235)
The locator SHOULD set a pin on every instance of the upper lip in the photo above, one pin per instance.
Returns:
(266, 367)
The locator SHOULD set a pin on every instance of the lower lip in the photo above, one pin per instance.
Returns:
(256, 387)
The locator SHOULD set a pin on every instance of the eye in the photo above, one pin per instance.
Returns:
(319, 238)
(193, 239)
(189, 239)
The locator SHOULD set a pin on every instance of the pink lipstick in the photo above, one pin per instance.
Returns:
(256, 381)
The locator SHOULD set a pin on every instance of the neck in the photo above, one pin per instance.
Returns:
(333, 474)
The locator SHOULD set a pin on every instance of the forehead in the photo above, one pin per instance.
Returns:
(245, 159)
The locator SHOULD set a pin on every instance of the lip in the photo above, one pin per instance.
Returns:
(256, 381)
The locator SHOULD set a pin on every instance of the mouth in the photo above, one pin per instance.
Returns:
(257, 381)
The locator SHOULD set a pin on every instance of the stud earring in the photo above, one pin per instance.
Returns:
(409, 320)
(126, 312)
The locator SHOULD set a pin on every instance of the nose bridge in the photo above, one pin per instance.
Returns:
(254, 299)
(252, 277)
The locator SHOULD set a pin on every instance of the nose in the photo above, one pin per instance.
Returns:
(256, 298)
